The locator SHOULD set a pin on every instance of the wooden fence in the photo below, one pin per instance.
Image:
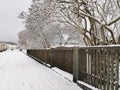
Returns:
(97, 66)
(58, 57)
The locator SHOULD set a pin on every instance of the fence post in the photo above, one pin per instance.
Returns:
(51, 57)
(75, 63)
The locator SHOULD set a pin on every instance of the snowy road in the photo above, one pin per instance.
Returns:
(20, 72)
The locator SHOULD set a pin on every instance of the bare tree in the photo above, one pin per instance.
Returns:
(43, 29)
(97, 20)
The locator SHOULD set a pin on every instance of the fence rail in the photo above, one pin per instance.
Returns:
(97, 66)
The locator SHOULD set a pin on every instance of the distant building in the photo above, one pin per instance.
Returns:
(12, 47)
(2, 46)
(7, 45)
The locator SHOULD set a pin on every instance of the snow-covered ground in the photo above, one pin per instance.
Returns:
(70, 77)
(20, 72)
(64, 74)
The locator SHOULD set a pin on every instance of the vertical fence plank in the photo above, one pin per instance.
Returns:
(100, 68)
(84, 65)
(117, 70)
(104, 69)
(90, 59)
(93, 67)
(97, 65)
(108, 57)
(51, 57)
(89, 67)
(112, 69)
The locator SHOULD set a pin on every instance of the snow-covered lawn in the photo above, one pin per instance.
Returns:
(20, 72)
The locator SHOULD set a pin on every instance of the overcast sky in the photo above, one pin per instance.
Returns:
(10, 25)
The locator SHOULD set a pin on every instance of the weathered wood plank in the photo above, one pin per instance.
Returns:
(117, 70)
(108, 57)
(112, 69)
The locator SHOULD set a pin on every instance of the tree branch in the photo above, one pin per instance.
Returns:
(63, 1)
(104, 26)
(117, 19)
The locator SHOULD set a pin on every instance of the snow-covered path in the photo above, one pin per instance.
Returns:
(20, 72)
